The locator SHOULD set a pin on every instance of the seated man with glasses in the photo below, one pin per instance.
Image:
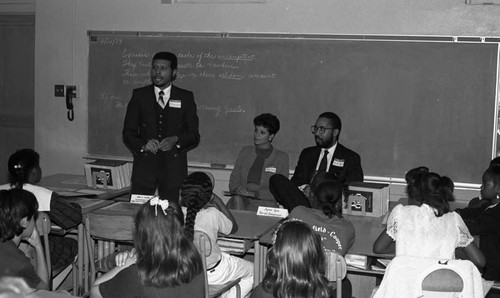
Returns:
(327, 156)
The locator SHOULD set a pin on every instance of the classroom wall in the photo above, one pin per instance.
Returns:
(62, 43)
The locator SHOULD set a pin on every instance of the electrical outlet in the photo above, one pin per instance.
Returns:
(59, 90)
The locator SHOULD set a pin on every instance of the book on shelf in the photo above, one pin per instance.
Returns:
(356, 261)
(108, 173)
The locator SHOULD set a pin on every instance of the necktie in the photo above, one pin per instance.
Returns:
(324, 162)
(160, 98)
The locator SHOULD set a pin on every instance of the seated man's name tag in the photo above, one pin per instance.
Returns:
(274, 212)
(140, 199)
(338, 162)
(174, 103)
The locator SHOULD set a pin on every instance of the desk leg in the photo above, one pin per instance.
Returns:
(78, 290)
(263, 257)
(256, 263)
(86, 272)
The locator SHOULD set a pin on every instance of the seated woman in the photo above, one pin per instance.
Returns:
(295, 265)
(25, 172)
(164, 262)
(255, 165)
(426, 229)
(18, 209)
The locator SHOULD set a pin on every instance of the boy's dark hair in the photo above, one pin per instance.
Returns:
(20, 165)
(15, 204)
(493, 173)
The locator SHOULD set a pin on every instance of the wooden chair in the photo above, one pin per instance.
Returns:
(204, 246)
(106, 230)
(44, 227)
(336, 269)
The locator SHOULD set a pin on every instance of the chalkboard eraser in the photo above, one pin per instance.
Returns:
(218, 165)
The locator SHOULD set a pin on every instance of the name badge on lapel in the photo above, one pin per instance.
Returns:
(174, 103)
(270, 170)
(338, 162)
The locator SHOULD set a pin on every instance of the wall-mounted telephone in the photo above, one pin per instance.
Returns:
(70, 94)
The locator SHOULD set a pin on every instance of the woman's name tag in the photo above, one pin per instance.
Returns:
(270, 170)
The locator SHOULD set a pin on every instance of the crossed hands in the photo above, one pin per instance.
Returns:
(166, 144)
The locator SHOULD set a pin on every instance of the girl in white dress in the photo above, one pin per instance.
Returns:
(426, 228)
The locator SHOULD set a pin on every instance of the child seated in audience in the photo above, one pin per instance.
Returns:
(18, 209)
(164, 262)
(478, 201)
(426, 228)
(209, 214)
(295, 265)
(325, 216)
(25, 172)
(484, 221)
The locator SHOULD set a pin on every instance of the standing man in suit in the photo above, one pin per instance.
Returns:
(160, 126)
(327, 156)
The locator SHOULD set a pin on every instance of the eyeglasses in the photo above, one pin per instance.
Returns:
(161, 68)
(320, 129)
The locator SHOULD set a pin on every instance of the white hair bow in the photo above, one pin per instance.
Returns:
(155, 201)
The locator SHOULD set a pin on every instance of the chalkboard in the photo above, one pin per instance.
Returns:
(402, 103)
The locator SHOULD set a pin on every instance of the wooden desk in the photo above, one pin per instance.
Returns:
(252, 227)
(70, 186)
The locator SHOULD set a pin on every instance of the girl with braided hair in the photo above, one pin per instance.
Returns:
(207, 213)
(24, 173)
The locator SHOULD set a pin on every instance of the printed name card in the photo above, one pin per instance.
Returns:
(140, 199)
(269, 211)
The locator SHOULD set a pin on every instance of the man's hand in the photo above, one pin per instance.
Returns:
(168, 143)
(152, 146)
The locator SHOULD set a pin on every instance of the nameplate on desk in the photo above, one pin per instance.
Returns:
(274, 212)
(140, 199)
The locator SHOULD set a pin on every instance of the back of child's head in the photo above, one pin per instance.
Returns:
(21, 164)
(431, 189)
(296, 263)
(409, 177)
(327, 196)
(165, 257)
(495, 161)
(15, 204)
(196, 192)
